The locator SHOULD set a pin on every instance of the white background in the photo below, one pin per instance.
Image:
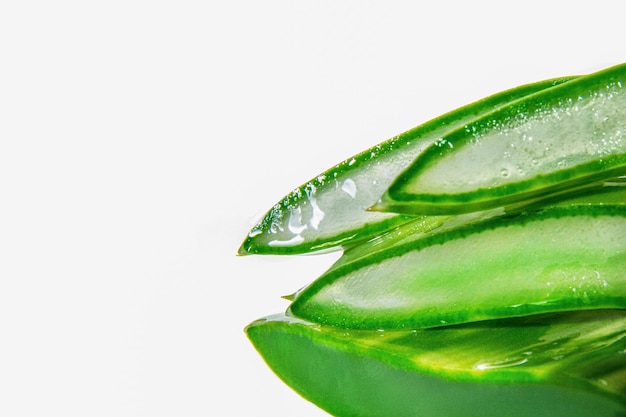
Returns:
(139, 139)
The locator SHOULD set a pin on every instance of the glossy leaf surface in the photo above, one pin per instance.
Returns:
(549, 142)
(330, 210)
(558, 258)
(566, 365)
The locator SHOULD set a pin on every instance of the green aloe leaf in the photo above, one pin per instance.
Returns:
(561, 365)
(612, 193)
(552, 141)
(567, 256)
(330, 210)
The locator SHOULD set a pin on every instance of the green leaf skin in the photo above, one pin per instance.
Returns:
(559, 258)
(555, 140)
(563, 365)
(330, 210)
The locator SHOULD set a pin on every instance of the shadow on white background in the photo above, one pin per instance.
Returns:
(138, 140)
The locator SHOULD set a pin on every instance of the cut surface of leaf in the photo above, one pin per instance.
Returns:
(564, 257)
(331, 209)
(562, 365)
(547, 142)
(613, 193)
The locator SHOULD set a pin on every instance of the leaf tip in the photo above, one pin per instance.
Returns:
(289, 297)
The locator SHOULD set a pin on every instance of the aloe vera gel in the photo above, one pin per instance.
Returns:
(483, 265)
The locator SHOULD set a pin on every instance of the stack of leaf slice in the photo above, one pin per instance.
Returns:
(484, 264)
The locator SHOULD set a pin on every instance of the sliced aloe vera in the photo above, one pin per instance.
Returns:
(331, 209)
(564, 257)
(552, 141)
(612, 193)
(565, 365)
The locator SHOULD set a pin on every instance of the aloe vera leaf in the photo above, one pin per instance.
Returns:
(413, 230)
(547, 142)
(563, 257)
(612, 193)
(330, 210)
(561, 365)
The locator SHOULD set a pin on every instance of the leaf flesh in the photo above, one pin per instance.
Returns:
(547, 142)
(559, 258)
(331, 210)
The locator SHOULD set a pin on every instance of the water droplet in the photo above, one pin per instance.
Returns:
(506, 363)
(443, 142)
(535, 161)
(504, 172)
(349, 187)
(275, 227)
